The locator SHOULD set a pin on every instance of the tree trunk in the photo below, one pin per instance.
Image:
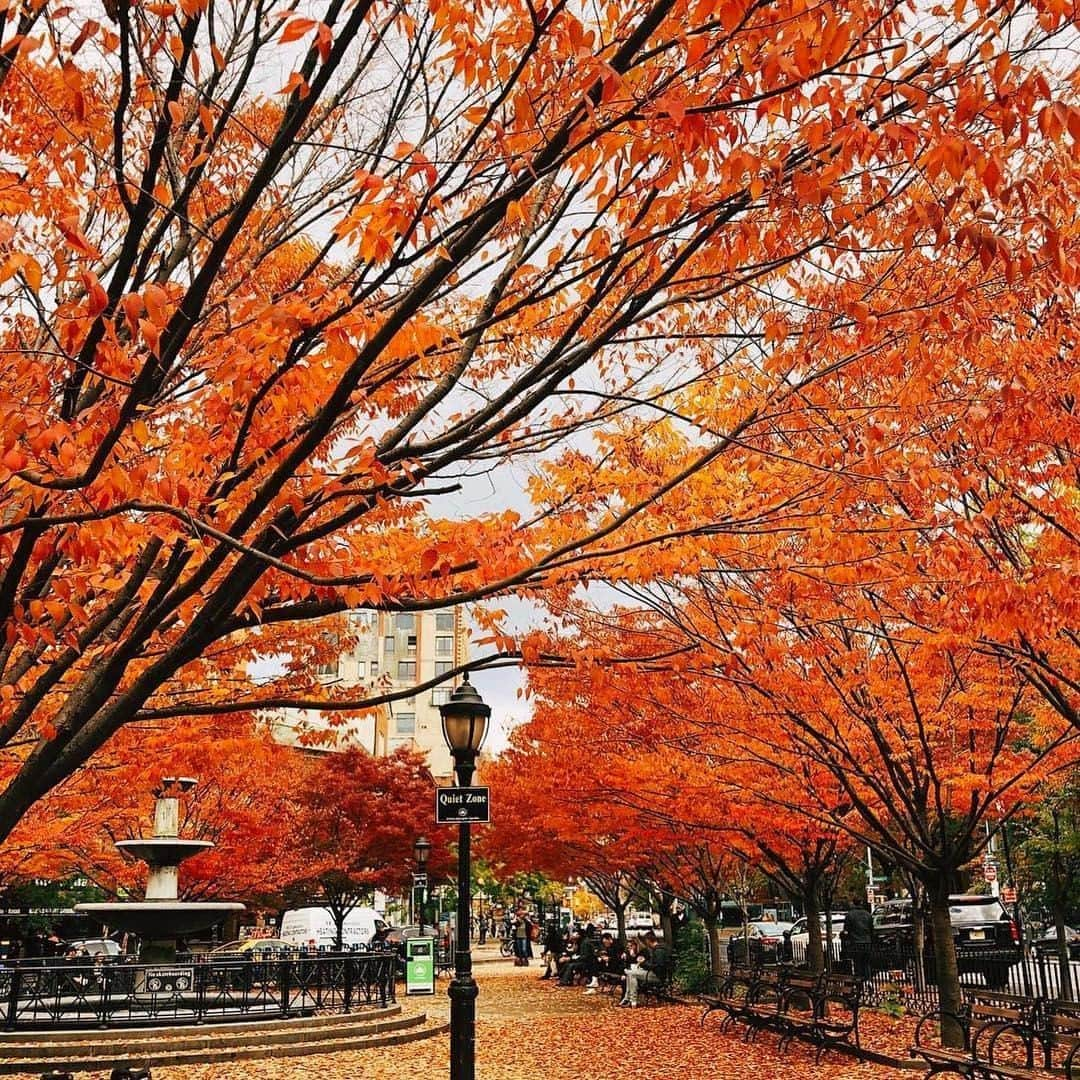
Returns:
(815, 957)
(620, 923)
(1064, 973)
(666, 905)
(948, 977)
(712, 928)
(918, 935)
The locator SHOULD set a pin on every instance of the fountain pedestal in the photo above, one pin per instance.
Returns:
(162, 917)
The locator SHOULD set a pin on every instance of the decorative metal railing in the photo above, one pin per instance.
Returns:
(896, 973)
(107, 994)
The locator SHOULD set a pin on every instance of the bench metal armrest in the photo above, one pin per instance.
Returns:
(1071, 1065)
(938, 1014)
(1024, 1033)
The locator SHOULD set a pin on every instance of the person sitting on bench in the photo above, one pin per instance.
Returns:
(584, 962)
(651, 969)
(607, 961)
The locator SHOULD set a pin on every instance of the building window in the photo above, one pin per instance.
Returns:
(444, 620)
(444, 646)
(363, 619)
(405, 620)
(410, 645)
(442, 667)
(361, 668)
(389, 646)
(406, 669)
(329, 668)
(440, 695)
(406, 723)
(374, 668)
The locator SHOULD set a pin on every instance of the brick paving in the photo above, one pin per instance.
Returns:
(529, 1029)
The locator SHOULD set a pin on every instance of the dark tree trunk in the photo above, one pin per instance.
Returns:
(712, 928)
(948, 976)
(1064, 972)
(815, 956)
(666, 905)
(620, 923)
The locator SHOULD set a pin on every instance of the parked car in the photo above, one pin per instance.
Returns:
(1046, 943)
(797, 939)
(105, 947)
(253, 947)
(987, 938)
(765, 941)
(639, 921)
(249, 962)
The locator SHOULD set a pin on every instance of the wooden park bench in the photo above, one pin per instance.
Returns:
(839, 998)
(820, 1009)
(1059, 1033)
(988, 1018)
(796, 1011)
(658, 991)
(731, 996)
(765, 1001)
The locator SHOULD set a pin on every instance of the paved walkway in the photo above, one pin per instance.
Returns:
(533, 1030)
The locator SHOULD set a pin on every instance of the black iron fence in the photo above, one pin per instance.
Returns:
(896, 973)
(105, 994)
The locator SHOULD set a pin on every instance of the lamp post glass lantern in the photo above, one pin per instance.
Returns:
(421, 850)
(465, 720)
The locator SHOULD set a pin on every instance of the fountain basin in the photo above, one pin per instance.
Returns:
(163, 850)
(156, 919)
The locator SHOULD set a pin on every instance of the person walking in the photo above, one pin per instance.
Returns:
(521, 940)
(859, 937)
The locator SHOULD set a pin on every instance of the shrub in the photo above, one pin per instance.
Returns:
(692, 973)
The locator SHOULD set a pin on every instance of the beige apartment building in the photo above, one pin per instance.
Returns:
(391, 652)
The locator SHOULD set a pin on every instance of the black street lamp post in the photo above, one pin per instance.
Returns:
(464, 720)
(421, 849)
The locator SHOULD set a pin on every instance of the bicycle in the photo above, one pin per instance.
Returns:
(506, 947)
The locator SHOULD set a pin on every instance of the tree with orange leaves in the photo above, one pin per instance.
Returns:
(790, 730)
(358, 817)
(240, 803)
(257, 337)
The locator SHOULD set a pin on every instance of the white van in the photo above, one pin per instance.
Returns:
(313, 927)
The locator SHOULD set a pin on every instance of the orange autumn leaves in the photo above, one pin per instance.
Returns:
(692, 270)
(282, 820)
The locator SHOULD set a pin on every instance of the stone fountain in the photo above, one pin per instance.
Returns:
(161, 918)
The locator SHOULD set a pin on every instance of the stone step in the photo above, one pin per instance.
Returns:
(421, 1029)
(165, 1030)
(142, 1042)
(85, 1034)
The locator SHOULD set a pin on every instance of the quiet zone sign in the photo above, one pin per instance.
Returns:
(458, 805)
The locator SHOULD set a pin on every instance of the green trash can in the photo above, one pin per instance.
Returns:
(420, 965)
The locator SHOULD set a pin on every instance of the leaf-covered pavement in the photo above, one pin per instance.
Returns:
(529, 1029)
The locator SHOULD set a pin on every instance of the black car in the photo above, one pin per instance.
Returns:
(986, 937)
(1046, 943)
(765, 941)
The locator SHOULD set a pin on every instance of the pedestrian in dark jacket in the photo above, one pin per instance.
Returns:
(554, 943)
(858, 938)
